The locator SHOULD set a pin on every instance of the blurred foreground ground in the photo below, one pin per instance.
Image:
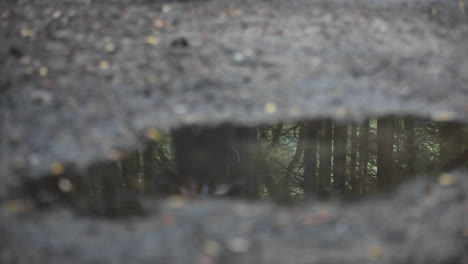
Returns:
(426, 222)
(82, 81)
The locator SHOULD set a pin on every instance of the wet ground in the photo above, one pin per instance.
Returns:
(81, 79)
(109, 108)
(285, 163)
(425, 222)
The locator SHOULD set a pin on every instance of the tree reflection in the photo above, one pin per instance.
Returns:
(287, 162)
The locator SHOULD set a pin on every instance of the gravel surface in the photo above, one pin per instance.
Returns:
(81, 80)
(425, 223)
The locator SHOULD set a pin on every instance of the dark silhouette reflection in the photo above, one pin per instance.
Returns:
(213, 161)
(286, 162)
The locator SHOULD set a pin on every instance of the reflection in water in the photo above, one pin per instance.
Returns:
(285, 162)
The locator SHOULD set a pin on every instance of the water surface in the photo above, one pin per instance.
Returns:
(284, 162)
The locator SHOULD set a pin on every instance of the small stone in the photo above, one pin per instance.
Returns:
(176, 201)
(159, 24)
(294, 111)
(380, 25)
(19, 162)
(167, 219)
(65, 185)
(41, 97)
(56, 14)
(165, 8)
(383, 28)
(237, 12)
(316, 61)
(313, 30)
(180, 43)
(465, 232)
(212, 247)
(151, 79)
(26, 60)
(239, 245)
(28, 70)
(223, 16)
(340, 113)
(249, 53)
(238, 57)
(115, 155)
(180, 109)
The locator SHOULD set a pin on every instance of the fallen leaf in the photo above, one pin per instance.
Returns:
(57, 168)
(270, 108)
(446, 179)
(153, 134)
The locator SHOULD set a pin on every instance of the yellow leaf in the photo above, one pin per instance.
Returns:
(28, 32)
(104, 65)
(43, 71)
(151, 40)
(270, 108)
(176, 201)
(18, 206)
(375, 252)
(57, 168)
(446, 179)
(443, 115)
(153, 134)
(211, 247)
(110, 47)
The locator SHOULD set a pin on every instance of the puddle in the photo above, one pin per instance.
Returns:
(285, 162)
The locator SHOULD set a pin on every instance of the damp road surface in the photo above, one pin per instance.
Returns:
(137, 131)
(82, 79)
